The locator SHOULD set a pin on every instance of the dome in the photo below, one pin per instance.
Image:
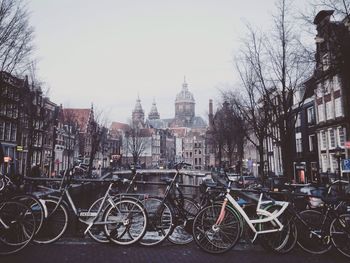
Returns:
(185, 95)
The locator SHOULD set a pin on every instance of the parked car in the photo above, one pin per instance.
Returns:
(314, 201)
(245, 181)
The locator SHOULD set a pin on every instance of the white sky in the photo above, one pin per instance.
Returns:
(107, 52)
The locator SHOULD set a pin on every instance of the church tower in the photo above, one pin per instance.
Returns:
(184, 107)
(154, 115)
(138, 115)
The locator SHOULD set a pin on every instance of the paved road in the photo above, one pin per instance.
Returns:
(85, 251)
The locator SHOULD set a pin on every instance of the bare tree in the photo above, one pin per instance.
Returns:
(228, 135)
(135, 142)
(252, 110)
(16, 36)
(278, 66)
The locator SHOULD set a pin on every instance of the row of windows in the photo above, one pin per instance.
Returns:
(331, 138)
(329, 165)
(333, 109)
(9, 110)
(8, 131)
(327, 86)
(10, 93)
(310, 115)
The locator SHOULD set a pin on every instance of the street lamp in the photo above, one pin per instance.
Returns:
(338, 153)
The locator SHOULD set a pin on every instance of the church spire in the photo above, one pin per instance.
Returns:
(138, 115)
(154, 115)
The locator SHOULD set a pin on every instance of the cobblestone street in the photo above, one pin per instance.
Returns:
(79, 250)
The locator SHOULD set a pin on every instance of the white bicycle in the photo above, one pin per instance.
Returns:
(218, 227)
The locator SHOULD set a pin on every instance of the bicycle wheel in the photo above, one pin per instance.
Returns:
(17, 227)
(340, 234)
(96, 232)
(214, 238)
(35, 205)
(125, 222)
(314, 237)
(182, 232)
(282, 241)
(55, 223)
(160, 221)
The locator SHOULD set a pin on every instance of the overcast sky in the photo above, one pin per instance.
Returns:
(107, 52)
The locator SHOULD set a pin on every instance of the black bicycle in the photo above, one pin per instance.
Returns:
(171, 216)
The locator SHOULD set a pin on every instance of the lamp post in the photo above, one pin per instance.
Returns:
(338, 154)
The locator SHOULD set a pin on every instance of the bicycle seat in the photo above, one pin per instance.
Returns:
(167, 180)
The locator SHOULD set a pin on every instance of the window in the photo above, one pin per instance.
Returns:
(7, 131)
(319, 90)
(299, 147)
(321, 112)
(298, 120)
(331, 138)
(338, 107)
(323, 140)
(324, 162)
(329, 110)
(298, 143)
(2, 130)
(336, 83)
(334, 163)
(310, 115)
(341, 136)
(311, 143)
(325, 61)
(13, 132)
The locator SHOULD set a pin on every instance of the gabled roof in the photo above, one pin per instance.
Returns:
(81, 116)
(119, 126)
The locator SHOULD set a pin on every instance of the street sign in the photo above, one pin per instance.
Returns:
(19, 148)
(346, 166)
(347, 145)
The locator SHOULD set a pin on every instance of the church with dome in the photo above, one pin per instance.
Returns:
(184, 113)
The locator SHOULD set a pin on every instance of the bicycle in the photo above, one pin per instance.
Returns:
(17, 223)
(217, 227)
(318, 229)
(170, 216)
(124, 220)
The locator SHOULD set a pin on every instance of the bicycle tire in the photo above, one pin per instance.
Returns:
(17, 227)
(55, 223)
(125, 222)
(96, 231)
(216, 239)
(182, 231)
(36, 206)
(309, 241)
(340, 234)
(160, 221)
(282, 241)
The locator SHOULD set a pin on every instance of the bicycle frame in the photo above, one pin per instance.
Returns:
(93, 215)
(268, 217)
